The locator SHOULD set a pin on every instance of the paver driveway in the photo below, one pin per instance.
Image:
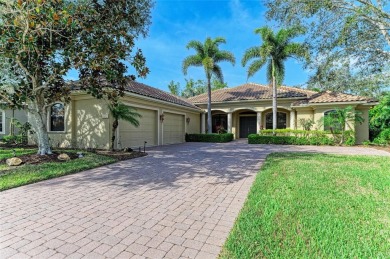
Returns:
(180, 201)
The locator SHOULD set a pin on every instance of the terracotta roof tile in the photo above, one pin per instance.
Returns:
(333, 97)
(148, 91)
(250, 91)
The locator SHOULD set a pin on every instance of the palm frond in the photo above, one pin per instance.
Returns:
(253, 52)
(255, 66)
(120, 111)
(265, 33)
(296, 50)
(224, 56)
(279, 71)
(219, 40)
(217, 72)
(194, 60)
(197, 46)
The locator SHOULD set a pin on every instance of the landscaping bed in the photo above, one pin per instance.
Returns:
(315, 205)
(37, 168)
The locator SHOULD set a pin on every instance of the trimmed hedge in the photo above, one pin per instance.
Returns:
(301, 137)
(214, 138)
(290, 140)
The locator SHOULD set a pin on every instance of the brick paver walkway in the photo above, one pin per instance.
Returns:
(180, 201)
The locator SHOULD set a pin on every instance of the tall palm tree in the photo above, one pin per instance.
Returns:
(276, 48)
(120, 111)
(207, 56)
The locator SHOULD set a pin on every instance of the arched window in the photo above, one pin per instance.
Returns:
(331, 121)
(281, 120)
(57, 117)
(2, 122)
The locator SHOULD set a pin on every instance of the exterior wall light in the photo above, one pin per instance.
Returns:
(188, 120)
(162, 117)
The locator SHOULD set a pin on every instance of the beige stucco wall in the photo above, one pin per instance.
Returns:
(193, 126)
(314, 112)
(8, 114)
(303, 113)
(88, 121)
(362, 130)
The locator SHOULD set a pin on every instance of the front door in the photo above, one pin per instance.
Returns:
(247, 126)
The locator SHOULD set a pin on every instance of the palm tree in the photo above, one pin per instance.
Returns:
(276, 48)
(120, 111)
(207, 56)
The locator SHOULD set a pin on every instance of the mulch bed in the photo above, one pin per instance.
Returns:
(34, 159)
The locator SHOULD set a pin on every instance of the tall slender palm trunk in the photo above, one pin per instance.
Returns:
(274, 100)
(209, 129)
(274, 106)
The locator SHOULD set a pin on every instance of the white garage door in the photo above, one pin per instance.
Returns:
(173, 128)
(134, 137)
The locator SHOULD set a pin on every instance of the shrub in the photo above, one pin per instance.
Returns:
(283, 140)
(12, 139)
(314, 139)
(215, 138)
(383, 138)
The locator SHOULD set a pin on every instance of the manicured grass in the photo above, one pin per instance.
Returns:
(27, 174)
(7, 153)
(315, 206)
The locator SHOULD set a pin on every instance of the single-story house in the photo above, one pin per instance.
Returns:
(242, 110)
(86, 122)
(247, 108)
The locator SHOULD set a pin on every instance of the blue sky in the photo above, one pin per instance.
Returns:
(176, 22)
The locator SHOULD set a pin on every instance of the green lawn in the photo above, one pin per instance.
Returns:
(7, 153)
(27, 174)
(315, 206)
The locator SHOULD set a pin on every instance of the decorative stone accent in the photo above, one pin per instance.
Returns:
(15, 161)
(63, 157)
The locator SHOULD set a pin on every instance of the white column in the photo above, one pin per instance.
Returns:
(229, 122)
(203, 123)
(259, 122)
(292, 120)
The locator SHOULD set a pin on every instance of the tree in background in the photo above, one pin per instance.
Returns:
(380, 116)
(275, 50)
(120, 111)
(194, 88)
(174, 88)
(42, 40)
(349, 39)
(208, 55)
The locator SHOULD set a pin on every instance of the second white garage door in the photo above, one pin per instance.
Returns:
(174, 131)
(130, 136)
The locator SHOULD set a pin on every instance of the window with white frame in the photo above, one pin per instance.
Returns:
(2, 121)
(57, 117)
